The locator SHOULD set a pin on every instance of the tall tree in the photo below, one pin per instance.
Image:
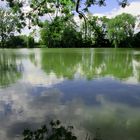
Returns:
(120, 28)
(96, 31)
(61, 32)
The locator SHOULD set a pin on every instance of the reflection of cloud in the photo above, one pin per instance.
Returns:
(34, 75)
(29, 110)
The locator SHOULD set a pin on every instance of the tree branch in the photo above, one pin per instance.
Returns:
(82, 15)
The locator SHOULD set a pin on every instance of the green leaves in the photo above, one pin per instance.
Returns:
(10, 23)
(55, 131)
(120, 28)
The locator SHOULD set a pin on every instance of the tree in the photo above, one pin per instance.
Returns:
(136, 40)
(30, 42)
(52, 8)
(16, 41)
(9, 23)
(61, 32)
(120, 28)
(96, 31)
(39, 8)
(51, 32)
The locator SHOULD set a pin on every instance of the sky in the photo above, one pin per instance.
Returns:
(111, 5)
(110, 10)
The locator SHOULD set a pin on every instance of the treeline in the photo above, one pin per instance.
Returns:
(63, 31)
(21, 41)
(96, 32)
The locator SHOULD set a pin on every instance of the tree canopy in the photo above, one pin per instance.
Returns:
(121, 28)
(38, 8)
(9, 23)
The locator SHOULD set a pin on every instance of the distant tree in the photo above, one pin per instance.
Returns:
(51, 32)
(20, 41)
(61, 32)
(136, 40)
(16, 41)
(71, 38)
(120, 28)
(30, 42)
(96, 31)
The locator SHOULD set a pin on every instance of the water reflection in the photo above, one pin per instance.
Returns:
(88, 88)
(10, 68)
(115, 120)
(121, 64)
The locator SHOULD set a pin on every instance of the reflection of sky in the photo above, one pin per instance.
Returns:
(109, 104)
(20, 108)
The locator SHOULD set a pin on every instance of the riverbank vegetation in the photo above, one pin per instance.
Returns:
(64, 24)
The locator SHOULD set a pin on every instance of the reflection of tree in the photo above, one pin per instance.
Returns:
(61, 63)
(10, 71)
(137, 65)
(92, 63)
(109, 62)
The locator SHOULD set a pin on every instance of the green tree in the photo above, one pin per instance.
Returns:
(61, 32)
(54, 9)
(9, 23)
(42, 7)
(17, 41)
(136, 40)
(30, 42)
(96, 31)
(120, 28)
(51, 32)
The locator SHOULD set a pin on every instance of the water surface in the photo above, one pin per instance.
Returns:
(92, 89)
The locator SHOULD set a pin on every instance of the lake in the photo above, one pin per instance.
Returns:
(96, 90)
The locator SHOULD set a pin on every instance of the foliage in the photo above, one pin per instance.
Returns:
(101, 32)
(71, 38)
(39, 8)
(61, 32)
(136, 40)
(55, 131)
(30, 42)
(8, 25)
(21, 41)
(16, 41)
(120, 28)
(96, 31)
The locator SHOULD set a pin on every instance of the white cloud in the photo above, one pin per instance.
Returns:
(133, 8)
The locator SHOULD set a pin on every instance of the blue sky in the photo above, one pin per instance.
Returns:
(110, 5)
